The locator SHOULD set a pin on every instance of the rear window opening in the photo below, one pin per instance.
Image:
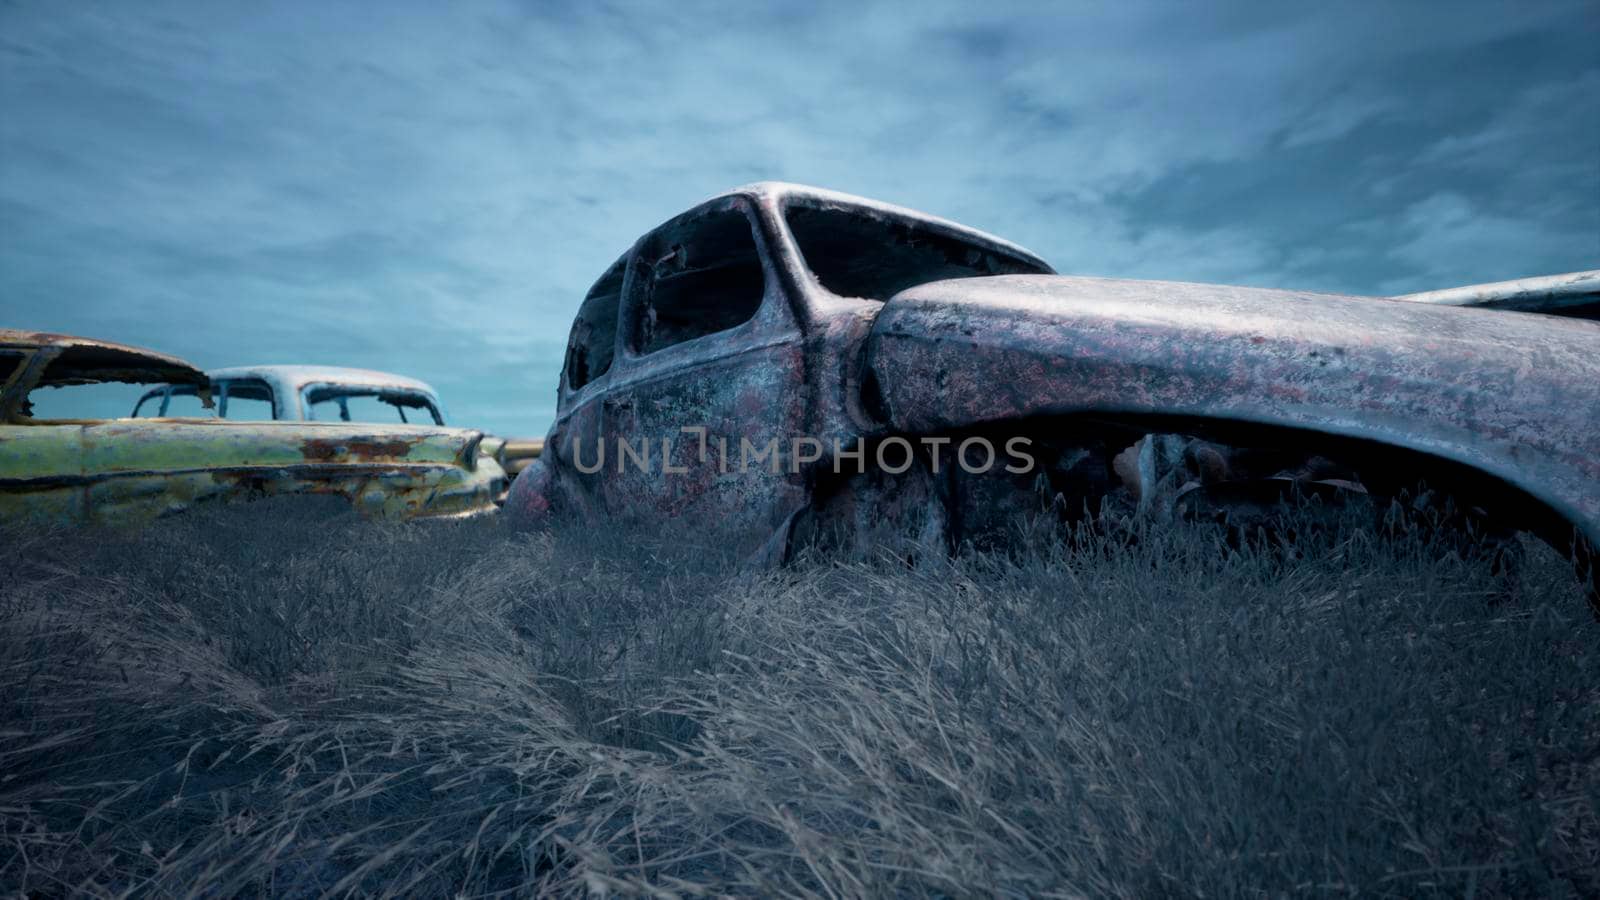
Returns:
(856, 254)
(699, 279)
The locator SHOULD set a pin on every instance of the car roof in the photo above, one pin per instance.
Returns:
(784, 190)
(297, 377)
(780, 191)
(80, 360)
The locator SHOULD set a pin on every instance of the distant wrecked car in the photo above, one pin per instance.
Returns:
(125, 470)
(303, 393)
(325, 394)
(783, 362)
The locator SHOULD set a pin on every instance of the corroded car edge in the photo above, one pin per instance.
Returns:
(1570, 294)
(125, 470)
(87, 361)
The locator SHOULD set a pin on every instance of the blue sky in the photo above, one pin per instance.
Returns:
(430, 188)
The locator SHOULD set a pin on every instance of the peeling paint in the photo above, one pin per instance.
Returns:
(365, 450)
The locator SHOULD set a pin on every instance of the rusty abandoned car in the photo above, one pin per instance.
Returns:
(734, 368)
(133, 469)
(302, 393)
(325, 393)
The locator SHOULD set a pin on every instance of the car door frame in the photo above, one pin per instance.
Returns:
(776, 329)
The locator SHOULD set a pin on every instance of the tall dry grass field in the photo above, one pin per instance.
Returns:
(281, 700)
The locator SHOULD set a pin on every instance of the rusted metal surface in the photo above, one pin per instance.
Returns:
(79, 360)
(1517, 397)
(1021, 351)
(1571, 294)
(129, 470)
(292, 386)
(59, 360)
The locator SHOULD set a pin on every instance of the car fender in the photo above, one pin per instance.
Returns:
(1513, 396)
(528, 502)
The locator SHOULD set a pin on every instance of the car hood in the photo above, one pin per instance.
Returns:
(1513, 395)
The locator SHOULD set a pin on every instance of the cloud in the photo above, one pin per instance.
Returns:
(1448, 238)
(431, 189)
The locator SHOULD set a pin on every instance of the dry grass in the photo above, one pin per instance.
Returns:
(283, 701)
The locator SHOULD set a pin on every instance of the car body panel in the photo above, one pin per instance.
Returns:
(739, 381)
(125, 470)
(1514, 396)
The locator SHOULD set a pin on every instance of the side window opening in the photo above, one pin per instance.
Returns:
(594, 331)
(246, 399)
(855, 254)
(704, 277)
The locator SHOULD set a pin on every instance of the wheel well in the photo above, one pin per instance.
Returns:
(1385, 470)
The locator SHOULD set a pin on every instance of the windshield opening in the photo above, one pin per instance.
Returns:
(334, 403)
(854, 253)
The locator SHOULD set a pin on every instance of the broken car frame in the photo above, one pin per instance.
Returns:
(128, 470)
(784, 311)
(294, 391)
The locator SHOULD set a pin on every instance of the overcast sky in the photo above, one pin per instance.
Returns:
(430, 188)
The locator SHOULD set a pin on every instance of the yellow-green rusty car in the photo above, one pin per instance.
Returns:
(130, 470)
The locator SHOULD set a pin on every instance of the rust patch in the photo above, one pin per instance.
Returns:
(330, 449)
